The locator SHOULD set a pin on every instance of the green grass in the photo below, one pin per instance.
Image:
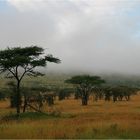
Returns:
(27, 115)
(35, 116)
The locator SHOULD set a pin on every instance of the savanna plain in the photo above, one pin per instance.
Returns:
(69, 119)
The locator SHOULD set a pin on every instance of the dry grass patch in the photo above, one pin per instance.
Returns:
(97, 120)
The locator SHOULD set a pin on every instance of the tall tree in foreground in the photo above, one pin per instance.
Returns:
(85, 84)
(18, 62)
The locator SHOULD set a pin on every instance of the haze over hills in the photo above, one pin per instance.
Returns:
(100, 36)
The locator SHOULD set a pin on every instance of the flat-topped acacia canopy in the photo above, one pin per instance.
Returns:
(19, 62)
(85, 84)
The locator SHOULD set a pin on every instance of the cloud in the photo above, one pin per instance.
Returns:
(23, 5)
(88, 35)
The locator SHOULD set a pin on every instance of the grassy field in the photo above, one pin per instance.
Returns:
(71, 120)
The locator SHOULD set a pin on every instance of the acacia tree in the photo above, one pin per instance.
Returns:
(85, 84)
(18, 62)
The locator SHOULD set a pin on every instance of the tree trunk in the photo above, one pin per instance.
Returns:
(18, 98)
(85, 100)
(114, 98)
(25, 103)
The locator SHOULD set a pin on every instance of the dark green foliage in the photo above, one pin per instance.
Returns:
(85, 84)
(98, 93)
(26, 58)
(4, 93)
(119, 93)
(35, 97)
(77, 94)
(2, 96)
(65, 93)
(31, 115)
(18, 62)
(49, 98)
(107, 93)
(13, 101)
(50, 58)
(86, 80)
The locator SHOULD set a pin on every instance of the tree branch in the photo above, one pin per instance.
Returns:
(25, 72)
(13, 73)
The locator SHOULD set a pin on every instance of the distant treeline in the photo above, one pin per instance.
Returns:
(125, 80)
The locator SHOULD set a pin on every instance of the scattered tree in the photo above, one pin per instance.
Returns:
(18, 62)
(85, 84)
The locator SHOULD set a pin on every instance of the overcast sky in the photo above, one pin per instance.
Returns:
(87, 35)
